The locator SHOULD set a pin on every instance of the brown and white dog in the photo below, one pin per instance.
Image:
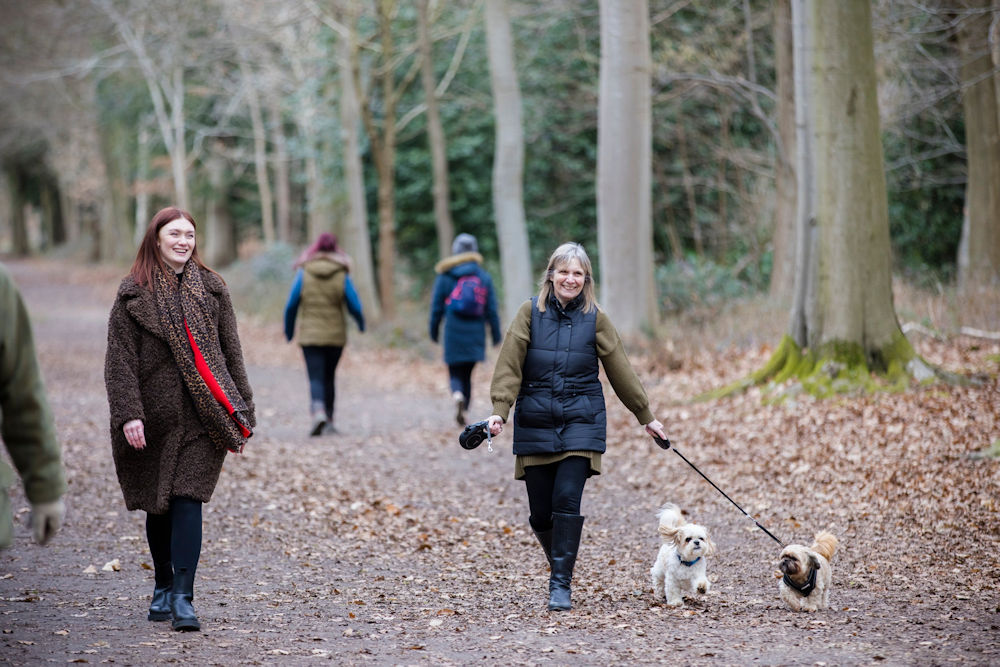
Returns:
(808, 576)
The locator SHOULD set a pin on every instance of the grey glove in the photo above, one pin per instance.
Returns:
(46, 519)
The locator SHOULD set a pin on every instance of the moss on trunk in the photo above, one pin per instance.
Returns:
(834, 368)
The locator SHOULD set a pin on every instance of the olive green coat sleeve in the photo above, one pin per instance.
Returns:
(619, 370)
(26, 424)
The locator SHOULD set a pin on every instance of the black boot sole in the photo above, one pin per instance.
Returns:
(159, 616)
(186, 625)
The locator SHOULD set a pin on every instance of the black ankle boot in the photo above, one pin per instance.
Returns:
(163, 577)
(566, 531)
(180, 602)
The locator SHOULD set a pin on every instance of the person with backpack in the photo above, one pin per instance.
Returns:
(464, 298)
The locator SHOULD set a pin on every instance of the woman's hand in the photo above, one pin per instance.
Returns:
(495, 424)
(656, 428)
(135, 434)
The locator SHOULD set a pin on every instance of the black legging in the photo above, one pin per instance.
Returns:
(460, 379)
(321, 366)
(175, 537)
(555, 488)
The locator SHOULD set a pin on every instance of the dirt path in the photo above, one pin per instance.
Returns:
(388, 544)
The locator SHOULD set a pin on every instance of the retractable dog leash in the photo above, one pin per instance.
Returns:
(665, 444)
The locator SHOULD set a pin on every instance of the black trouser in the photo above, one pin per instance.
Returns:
(321, 366)
(460, 379)
(555, 488)
(175, 537)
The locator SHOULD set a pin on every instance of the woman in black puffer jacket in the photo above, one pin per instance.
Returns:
(548, 365)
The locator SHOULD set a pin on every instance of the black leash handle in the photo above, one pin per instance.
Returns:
(665, 444)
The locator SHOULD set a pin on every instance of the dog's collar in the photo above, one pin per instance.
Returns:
(805, 589)
(688, 563)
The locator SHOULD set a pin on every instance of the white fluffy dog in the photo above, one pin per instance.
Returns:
(805, 585)
(680, 563)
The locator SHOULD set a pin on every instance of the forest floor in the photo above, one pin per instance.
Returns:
(389, 544)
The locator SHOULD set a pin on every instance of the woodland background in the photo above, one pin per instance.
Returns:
(272, 121)
(239, 111)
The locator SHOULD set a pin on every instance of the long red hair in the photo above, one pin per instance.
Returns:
(148, 257)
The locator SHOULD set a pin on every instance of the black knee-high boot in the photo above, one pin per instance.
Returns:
(544, 538)
(566, 531)
(158, 537)
(186, 548)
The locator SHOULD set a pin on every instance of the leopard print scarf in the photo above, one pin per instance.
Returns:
(187, 300)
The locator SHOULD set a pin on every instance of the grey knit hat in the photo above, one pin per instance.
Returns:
(464, 243)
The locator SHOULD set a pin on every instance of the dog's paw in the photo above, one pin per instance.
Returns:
(703, 587)
(676, 602)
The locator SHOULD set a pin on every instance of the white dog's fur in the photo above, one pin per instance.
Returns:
(797, 564)
(682, 543)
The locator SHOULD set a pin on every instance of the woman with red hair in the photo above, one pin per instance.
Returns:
(179, 397)
(321, 291)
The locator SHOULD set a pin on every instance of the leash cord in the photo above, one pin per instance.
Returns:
(695, 468)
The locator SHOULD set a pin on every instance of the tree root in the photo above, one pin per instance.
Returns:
(840, 368)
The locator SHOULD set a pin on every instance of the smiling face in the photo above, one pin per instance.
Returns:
(568, 280)
(175, 241)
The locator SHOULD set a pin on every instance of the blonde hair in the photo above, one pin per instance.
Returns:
(563, 255)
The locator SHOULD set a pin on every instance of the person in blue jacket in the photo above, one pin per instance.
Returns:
(321, 291)
(464, 298)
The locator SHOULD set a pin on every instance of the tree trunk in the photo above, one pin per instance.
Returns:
(259, 154)
(508, 161)
(142, 185)
(624, 165)
(178, 147)
(19, 246)
(805, 234)
(356, 238)
(979, 269)
(384, 155)
(849, 313)
(783, 238)
(219, 234)
(282, 176)
(439, 159)
(688, 183)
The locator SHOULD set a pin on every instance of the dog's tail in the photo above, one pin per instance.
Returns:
(670, 519)
(825, 543)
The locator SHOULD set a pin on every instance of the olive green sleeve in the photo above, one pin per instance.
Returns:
(26, 423)
(507, 374)
(619, 370)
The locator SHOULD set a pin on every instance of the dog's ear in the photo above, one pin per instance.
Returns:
(813, 563)
(667, 532)
(709, 546)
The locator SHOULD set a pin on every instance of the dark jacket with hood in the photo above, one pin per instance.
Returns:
(144, 382)
(464, 337)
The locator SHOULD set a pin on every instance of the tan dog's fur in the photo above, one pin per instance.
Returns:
(796, 562)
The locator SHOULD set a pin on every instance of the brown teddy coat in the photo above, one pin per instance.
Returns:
(144, 382)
